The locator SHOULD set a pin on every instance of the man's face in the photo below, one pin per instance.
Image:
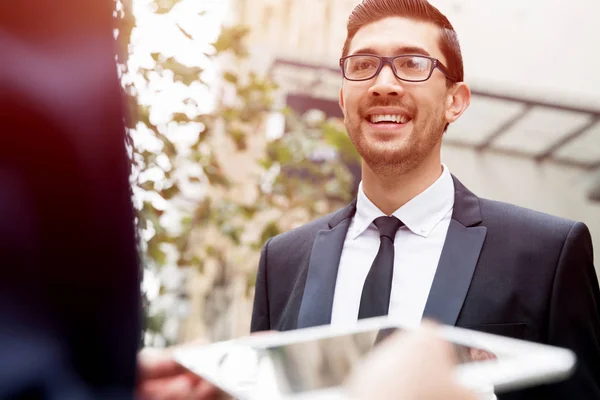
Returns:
(392, 147)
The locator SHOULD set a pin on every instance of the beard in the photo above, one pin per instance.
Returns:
(402, 154)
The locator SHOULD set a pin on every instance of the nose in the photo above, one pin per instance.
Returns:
(386, 84)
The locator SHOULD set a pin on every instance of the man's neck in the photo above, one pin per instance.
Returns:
(391, 192)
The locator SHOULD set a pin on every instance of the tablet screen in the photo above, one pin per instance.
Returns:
(326, 362)
(299, 364)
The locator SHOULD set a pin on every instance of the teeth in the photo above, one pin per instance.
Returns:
(399, 119)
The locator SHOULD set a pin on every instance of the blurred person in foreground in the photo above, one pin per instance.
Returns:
(70, 310)
(416, 242)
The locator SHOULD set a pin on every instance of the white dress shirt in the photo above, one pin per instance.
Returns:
(417, 249)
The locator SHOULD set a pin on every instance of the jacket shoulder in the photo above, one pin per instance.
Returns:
(302, 233)
(509, 216)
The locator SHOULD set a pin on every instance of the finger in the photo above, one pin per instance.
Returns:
(428, 335)
(157, 363)
(207, 391)
(429, 324)
(154, 363)
(459, 392)
(174, 388)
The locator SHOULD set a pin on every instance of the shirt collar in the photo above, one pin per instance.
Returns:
(420, 215)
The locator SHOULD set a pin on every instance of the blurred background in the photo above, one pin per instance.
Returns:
(236, 133)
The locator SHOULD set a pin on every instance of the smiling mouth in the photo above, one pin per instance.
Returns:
(388, 119)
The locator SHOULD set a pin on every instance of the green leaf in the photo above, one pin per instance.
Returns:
(215, 174)
(212, 251)
(180, 117)
(156, 253)
(266, 163)
(284, 155)
(187, 35)
(187, 224)
(157, 57)
(203, 212)
(248, 211)
(230, 114)
(232, 39)
(170, 192)
(164, 6)
(239, 139)
(155, 323)
(182, 261)
(197, 263)
(169, 148)
(182, 73)
(231, 232)
(230, 77)
(148, 185)
(268, 232)
(181, 242)
(150, 212)
(143, 115)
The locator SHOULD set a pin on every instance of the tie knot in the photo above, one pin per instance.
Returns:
(388, 226)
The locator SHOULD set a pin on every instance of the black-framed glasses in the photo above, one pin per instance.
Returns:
(407, 67)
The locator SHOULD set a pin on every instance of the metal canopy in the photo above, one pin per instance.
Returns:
(533, 129)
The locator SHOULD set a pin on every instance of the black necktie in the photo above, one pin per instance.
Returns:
(375, 300)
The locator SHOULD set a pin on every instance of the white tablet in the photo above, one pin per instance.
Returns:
(314, 363)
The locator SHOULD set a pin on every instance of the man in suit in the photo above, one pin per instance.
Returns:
(416, 243)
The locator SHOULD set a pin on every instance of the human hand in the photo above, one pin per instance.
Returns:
(410, 365)
(160, 377)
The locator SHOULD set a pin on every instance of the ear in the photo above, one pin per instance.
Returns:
(341, 100)
(458, 100)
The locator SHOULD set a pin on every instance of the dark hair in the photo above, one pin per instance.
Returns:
(369, 11)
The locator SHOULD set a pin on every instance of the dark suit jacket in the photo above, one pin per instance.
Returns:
(503, 269)
(70, 312)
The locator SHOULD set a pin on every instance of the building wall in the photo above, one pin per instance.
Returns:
(313, 30)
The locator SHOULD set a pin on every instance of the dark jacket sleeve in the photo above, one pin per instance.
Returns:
(260, 312)
(574, 319)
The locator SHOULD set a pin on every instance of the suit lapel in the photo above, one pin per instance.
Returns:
(458, 260)
(317, 300)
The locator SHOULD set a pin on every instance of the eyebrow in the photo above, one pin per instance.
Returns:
(397, 50)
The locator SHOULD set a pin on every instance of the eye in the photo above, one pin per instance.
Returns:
(363, 63)
(413, 63)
